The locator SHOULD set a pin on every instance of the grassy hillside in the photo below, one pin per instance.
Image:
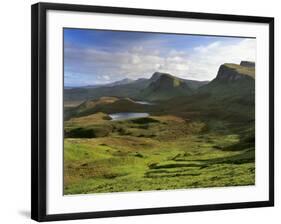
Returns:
(186, 150)
(191, 139)
(163, 152)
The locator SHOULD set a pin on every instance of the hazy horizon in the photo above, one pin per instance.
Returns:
(110, 82)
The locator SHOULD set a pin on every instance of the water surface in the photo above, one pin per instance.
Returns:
(143, 102)
(128, 115)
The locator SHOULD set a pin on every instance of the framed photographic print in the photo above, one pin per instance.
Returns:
(138, 111)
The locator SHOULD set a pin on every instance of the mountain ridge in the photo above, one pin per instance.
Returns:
(164, 86)
(130, 89)
(230, 77)
(231, 80)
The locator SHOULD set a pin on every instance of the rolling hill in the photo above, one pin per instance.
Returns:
(107, 105)
(190, 138)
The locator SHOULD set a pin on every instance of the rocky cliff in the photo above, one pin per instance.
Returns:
(232, 72)
(247, 63)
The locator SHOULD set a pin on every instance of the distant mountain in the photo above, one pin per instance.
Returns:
(126, 88)
(232, 79)
(120, 82)
(164, 86)
(193, 84)
(117, 83)
(230, 95)
(122, 90)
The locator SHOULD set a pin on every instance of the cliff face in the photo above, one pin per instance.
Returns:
(248, 64)
(157, 75)
(232, 72)
(165, 86)
(167, 81)
(232, 80)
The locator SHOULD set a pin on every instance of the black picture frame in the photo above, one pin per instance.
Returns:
(39, 122)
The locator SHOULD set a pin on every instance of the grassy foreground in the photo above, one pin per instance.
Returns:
(155, 153)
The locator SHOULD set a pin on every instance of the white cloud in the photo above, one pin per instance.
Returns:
(204, 64)
(200, 63)
(208, 48)
(106, 77)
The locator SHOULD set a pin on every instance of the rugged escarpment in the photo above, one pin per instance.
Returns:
(247, 63)
(164, 86)
(232, 80)
(232, 72)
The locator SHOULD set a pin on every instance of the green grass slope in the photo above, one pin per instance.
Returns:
(159, 153)
(203, 139)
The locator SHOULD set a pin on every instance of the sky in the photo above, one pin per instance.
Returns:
(93, 57)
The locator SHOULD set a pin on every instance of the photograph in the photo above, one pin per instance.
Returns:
(147, 111)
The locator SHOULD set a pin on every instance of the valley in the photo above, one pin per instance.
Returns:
(161, 133)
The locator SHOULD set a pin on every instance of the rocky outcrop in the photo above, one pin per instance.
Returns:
(232, 72)
(166, 81)
(164, 86)
(232, 80)
(249, 64)
(157, 75)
